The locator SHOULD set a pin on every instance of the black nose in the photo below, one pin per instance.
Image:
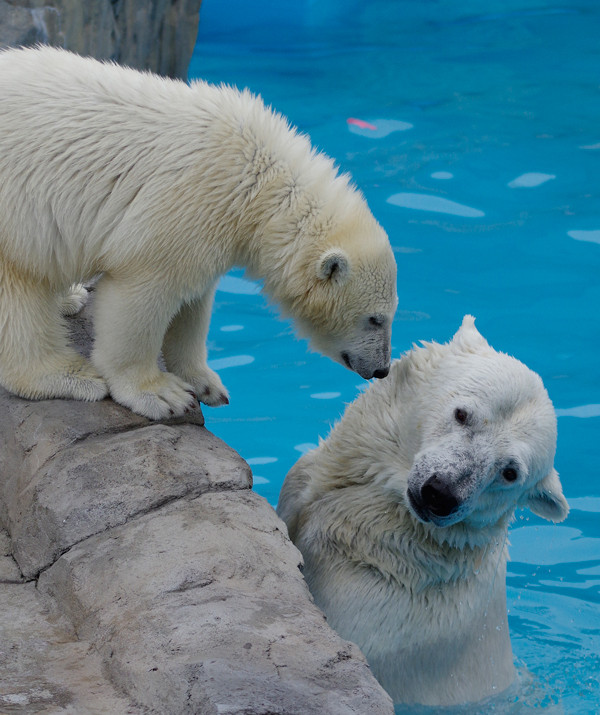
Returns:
(437, 497)
(380, 374)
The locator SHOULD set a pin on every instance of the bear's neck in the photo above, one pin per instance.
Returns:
(405, 550)
(289, 218)
(279, 197)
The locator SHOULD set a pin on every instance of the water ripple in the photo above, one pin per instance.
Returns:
(232, 361)
(241, 286)
(579, 411)
(530, 180)
(261, 460)
(376, 128)
(592, 236)
(305, 447)
(436, 204)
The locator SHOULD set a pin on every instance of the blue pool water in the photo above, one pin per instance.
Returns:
(473, 129)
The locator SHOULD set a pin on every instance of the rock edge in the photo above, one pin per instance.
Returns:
(136, 554)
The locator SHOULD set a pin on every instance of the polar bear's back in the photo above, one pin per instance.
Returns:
(71, 129)
(79, 139)
(56, 84)
(53, 98)
(62, 72)
(104, 168)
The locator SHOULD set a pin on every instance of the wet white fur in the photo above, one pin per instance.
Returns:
(426, 602)
(162, 187)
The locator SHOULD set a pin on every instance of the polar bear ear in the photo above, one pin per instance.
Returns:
(547, 499)
(468, 337)
(333, 265)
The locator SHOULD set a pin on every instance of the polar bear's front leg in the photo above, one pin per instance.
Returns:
(130, 321)
(184, 350)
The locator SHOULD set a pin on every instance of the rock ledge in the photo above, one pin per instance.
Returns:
(140, 574)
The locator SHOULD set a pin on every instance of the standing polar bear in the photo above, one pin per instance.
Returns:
(402, 515)
(162, 187)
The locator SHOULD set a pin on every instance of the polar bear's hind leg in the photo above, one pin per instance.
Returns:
(36, 361)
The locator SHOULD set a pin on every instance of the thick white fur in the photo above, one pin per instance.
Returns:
(74, 299)
(425, 596)
(162, 187)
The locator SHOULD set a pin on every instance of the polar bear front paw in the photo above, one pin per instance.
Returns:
(209, 388)
(157, 398)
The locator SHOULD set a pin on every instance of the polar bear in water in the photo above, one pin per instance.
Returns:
(162, 187)
(402, 515)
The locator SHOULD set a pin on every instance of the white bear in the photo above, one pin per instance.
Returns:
(402, 515)
(162, 187)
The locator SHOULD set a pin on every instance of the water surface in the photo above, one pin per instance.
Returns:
(472, 128)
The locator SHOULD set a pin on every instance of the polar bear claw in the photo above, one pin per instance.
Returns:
(158, 397)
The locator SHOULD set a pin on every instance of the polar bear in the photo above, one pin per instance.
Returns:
(161, 187)
(402, 515)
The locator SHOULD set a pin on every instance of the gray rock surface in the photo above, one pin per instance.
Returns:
(139, 569)
(223, 625)
(158, 35)
(108, 477)
(44, 666)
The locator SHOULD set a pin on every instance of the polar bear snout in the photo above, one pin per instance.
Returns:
(365, 370)
(368, 371)
(444, 482)
(435, 501)
(437, 497)
(370, 358)
(383, 372)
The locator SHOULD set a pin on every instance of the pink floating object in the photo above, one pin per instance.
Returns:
(361, 123)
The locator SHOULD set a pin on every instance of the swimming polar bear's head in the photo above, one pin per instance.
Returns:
(487, 439)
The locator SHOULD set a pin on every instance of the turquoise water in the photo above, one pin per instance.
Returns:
(474, 133)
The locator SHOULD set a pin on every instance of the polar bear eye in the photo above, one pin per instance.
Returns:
(509, 474)
(461, 416)
(376, 321)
